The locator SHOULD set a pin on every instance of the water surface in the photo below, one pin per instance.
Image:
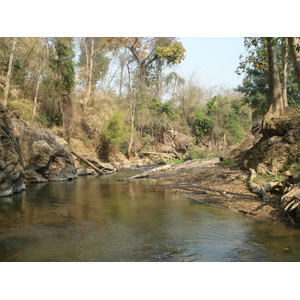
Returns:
(105, 220)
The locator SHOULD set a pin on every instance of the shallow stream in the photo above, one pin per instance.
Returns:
(105, 220)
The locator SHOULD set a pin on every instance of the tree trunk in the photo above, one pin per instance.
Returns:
(90, 71)
(276, 107)
(37, 85)
(159, 79)
(122, 62)
(67, 115)
(284, 71)
(133, 102)
(7, 81)
(36, 95)
(294, 45)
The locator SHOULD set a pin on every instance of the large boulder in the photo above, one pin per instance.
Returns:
(11, 164)
(46, 156)
(177, 140)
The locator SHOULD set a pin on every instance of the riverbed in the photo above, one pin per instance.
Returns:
(106, 220)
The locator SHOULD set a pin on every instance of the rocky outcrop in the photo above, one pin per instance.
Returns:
(177, 140)
(31, 154)
(273, 154)
(277, 155)
(11, 164)
(46, 156)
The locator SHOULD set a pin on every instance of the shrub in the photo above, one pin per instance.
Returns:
(197, 153)
(203, 124)
(116, 134)
(233, 127)
(22, 108)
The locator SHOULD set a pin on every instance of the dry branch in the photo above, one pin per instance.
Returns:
(148, 173)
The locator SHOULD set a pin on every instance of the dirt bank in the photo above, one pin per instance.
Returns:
(204, 180)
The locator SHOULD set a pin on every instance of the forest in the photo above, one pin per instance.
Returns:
(122, 95)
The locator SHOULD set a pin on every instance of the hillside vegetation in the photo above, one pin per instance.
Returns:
(119, 97)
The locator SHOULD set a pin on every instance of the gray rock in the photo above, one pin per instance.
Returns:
(46, 156)
(11, 164)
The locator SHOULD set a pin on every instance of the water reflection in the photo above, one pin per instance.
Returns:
(10, 208)
(102, 219)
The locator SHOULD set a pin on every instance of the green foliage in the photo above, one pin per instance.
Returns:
(203, 124)
(177, 161)
(114, 137)
(63, 65)
(159, 109)
(114, 131)
(255, 85)
(196, 154)
(228, 162)
(212, 108)
(49, 115)
(221, 118)
(268, 177)
(233, 128)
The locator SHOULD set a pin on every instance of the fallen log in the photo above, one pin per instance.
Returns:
(100, 172)
(148, 173)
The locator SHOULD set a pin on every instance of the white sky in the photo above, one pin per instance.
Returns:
(213, 61)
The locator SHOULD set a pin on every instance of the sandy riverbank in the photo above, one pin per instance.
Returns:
(204, 180)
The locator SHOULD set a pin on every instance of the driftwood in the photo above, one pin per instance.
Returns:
(100, 172)
(257, 189)
(148, 173)
(261, 190)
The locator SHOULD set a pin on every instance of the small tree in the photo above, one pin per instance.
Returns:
(203, 125)
(115, 135)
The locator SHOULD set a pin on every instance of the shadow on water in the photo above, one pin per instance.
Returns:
(102, 219)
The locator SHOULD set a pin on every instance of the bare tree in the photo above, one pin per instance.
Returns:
(9, 70)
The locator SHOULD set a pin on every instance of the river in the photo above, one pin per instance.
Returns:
(105, 220)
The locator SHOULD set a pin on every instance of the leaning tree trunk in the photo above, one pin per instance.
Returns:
(276, 107)
(294, 45)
